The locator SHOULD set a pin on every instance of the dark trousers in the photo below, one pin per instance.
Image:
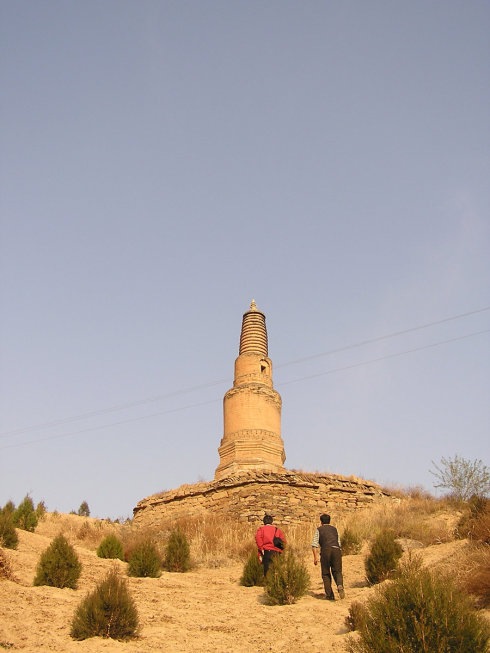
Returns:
(267, 559)
(331, 560)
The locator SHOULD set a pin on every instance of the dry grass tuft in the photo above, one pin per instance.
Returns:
(87, 532)
(425, 519)
(6, 567)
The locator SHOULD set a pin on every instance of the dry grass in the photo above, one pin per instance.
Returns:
(425, 519)
(5, 566)
(87, 532)
(471, 571)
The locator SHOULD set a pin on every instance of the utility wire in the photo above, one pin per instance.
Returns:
(385, 337)
(148, 400)
(303, 378)
(383, 358)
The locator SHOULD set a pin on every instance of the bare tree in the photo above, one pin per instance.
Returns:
(463, 478)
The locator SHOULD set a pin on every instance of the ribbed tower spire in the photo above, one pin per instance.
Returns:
(252, 408)
(254, 334)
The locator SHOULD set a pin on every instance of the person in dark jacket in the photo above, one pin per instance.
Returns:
(327, 539)
(264, 538)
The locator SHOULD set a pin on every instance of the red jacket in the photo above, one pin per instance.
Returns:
(265, 535)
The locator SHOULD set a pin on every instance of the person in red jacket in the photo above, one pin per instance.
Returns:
(264, 538)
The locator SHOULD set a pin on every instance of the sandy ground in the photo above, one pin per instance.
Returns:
(202, 611)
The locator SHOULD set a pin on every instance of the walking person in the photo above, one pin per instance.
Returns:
(327, 539)
(270, 542)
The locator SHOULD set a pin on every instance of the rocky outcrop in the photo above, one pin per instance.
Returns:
(292, 497)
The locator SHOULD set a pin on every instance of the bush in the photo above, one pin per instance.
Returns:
(8, 508)
(253, 572)
(177, 552)
(358, 614)
(5, 567)
(475, 525)
(84, 510)
(144, 561)
(24, 516)
(8, 535)
(58, 566)
(287, 579)
(110, 547)
(351, 542)
(41, 510)
(108, 611)
(383, 559)
(420, 613)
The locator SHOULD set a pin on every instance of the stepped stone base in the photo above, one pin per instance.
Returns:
(292, 497)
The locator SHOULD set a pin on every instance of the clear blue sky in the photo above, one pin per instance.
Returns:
(163, 163)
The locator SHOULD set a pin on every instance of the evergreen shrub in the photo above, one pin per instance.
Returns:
(351, 542)
(383, 558)
(59, 565)
(111, 547)
(421, 613)
(24, 516)
(253, 572)
(358, 614)
(8, 535)
(108, 611)
(287, 579)
(41, 510)
(177, 552)
(8, 508)
(144, 561)
(84, 510)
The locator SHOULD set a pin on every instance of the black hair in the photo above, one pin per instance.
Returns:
(267, 519)
(325, 519)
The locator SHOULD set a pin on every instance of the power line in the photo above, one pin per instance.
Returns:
(385, 337)
(141, 402)
(203, 403)
(133, 404)
(382, 358)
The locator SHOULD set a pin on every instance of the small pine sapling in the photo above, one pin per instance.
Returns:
(287, 579)
(59, 565)
(177, 552)
(383, 558)
(108, 611)
(111, 547)
(253, 572)
(144, 561)
(8, 535)
(24, 516)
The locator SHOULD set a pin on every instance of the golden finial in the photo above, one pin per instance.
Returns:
(253, 305)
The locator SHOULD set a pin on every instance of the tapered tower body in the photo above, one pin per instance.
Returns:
(252, 408)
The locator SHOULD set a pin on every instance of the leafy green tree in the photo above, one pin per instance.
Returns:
(463, 478)
(24, 516)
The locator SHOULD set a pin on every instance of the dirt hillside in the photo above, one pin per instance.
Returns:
(202, 611)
